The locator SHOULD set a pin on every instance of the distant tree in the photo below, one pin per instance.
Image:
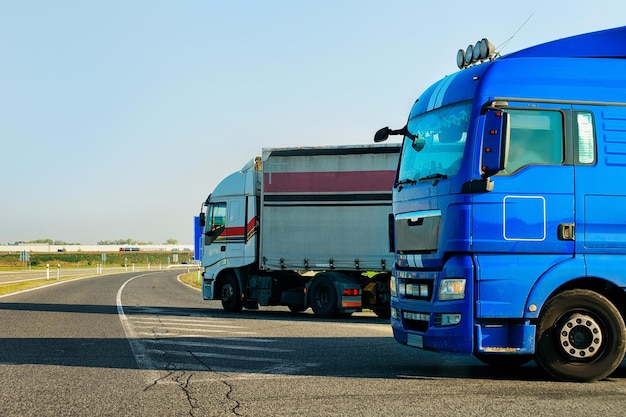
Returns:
(171, 242)
(48, 241)
(130, 242)
(118, 242)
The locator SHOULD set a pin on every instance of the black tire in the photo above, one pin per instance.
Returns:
(504, 361)
(580, 336)
(323, 297)
(231, 295)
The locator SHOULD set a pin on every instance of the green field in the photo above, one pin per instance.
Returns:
(11, 261)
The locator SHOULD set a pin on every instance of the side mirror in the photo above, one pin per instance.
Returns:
(202, 219)
(495, 141)
(382, 135)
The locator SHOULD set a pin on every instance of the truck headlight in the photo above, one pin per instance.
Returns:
(393, 289)
(452, 289)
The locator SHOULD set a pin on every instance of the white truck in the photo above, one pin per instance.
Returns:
(302, 227)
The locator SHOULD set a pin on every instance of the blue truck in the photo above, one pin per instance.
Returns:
(509, 209)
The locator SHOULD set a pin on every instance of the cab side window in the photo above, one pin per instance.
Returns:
(585, 139)
(217, 216)
(535, 137)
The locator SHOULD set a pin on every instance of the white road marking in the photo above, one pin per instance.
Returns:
(145, 346)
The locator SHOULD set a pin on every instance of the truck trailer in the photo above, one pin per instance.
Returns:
(509, 208)
(302, 227)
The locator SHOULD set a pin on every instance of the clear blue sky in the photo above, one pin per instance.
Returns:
(118, 118)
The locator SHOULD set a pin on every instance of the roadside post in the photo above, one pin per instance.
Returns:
(25, 258)
(58, 271)
(48, 271)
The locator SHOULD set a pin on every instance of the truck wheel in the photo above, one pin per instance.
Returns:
(231, 296)
(580, 336)
(504, 361)
(323, 297)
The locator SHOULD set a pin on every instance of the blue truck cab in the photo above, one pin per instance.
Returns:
(509, 209)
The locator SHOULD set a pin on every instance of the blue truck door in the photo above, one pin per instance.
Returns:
(600, 158)
(519, 226)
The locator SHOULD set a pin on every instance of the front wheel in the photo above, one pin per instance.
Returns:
(580, 336)
(231, 296)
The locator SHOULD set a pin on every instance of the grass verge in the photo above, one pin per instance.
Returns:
(191, 279)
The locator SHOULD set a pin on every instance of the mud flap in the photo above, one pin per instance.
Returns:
(208, 289)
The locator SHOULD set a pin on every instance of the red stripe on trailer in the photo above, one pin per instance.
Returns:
(328, 182)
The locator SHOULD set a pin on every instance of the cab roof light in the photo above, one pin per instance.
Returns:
(474, 54)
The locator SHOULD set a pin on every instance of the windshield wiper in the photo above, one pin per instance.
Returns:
(435, 177)
(404, 182)
(407, 181)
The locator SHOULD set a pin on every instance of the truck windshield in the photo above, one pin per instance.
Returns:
(437, 151)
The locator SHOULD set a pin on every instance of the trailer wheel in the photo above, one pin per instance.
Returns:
(580, 336)
(231, 295)
(323, 297)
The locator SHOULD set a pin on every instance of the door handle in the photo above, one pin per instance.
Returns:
(223, 248)
(567, 231)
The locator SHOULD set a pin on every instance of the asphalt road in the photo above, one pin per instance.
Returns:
(143, 344)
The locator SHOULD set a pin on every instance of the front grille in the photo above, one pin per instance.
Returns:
(415, 321)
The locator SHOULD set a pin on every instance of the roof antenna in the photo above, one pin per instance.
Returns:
(503, 44)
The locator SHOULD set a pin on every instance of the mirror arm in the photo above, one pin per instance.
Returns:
(384, 133)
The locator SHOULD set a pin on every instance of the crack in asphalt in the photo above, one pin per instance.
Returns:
(229, 394)
(181, 378)
(183, 382)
